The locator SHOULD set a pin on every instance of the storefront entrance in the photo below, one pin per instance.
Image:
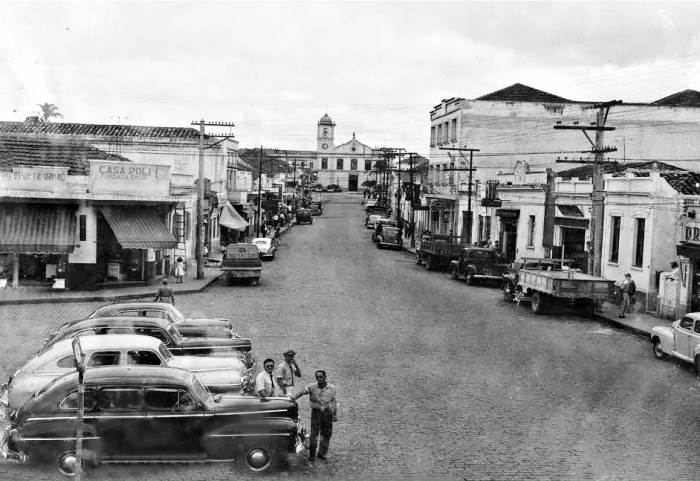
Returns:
(352, 182)
(508, 236)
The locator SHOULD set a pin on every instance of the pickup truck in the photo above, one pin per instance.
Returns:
(478, 264)
(242, 262)
(437, 251)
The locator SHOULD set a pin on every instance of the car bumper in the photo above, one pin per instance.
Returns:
(7, 451)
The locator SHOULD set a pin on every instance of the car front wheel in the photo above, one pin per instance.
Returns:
(537, 304)
(508, 292)
(469, 278)
(659, 352)
(454, 273)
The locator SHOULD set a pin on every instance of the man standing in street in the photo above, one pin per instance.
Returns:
(627, 289)
(287, 371)
(324, 412)
(165, 293)
(265, 385)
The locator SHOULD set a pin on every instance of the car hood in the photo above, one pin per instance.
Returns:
(247, 403)
(662, 331)
(200, 364)
(236, 342)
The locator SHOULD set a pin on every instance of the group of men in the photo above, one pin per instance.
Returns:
(324, 409)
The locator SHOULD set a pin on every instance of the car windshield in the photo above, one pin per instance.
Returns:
(165, 353)
(201, 392)
(261, 242)
(174, 333)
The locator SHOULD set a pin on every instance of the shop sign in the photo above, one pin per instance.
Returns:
(45, 179)
(691, 233)
(129, 178)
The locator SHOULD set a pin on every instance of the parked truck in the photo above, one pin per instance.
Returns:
(437, 251)
(478, 264)
(547, 288)
(242, 262)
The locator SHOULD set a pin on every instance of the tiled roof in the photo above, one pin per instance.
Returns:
(687, 183)
(28, 152)
(272, 161)
(586, 171)
(33, 125)
(686, 98)
(522, 93)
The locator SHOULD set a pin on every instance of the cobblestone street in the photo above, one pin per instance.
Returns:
(436, 379)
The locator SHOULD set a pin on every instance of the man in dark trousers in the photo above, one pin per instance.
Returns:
(627, 289)
(165, 293)
(324, 412)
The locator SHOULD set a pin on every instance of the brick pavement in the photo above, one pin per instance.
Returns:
(436, 380)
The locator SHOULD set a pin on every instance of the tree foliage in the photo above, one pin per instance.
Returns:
(49, 111)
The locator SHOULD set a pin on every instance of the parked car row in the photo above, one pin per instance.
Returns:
(157, 386)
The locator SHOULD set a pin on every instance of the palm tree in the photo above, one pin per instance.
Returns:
(48, 111)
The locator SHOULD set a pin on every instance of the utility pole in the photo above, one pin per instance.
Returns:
(259, 193)
(471, 169)
(412, 218)
(199, 245)
(598, 149)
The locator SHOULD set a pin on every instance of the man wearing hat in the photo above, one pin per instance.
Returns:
(287, 371)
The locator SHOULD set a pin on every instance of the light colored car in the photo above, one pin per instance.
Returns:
(188, 326)
(372, 220)
(265, 246)
(681, 339)
(218, 374)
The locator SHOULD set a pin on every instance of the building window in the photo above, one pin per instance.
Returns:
(639, 243)
(454, 129)
(439, 134)
(368, 164)
(324, 163)
(487, 228)
(353, 164)
(339, 164)
(614, 239)
(303, 164)
(82, 221)
(446, 132)
(480, 232)
(311, 165)
(531, 231)
(432, 136)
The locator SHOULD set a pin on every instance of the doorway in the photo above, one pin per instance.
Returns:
(352, 182)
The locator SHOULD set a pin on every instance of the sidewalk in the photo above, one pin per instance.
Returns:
(36, 295)
(637, 322)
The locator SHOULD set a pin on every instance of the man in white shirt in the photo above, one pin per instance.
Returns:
(265, 384)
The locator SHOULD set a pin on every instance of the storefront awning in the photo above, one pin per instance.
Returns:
(688, 250)
(138, 228)
(569, 210)
(571, 222)
(37, 228)
(231, 219)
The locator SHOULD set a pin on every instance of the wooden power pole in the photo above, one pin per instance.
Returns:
(199, 244)
(597, 199)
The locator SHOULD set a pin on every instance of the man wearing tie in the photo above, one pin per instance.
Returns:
(265, 384)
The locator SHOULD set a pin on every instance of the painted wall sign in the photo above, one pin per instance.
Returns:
(129, 178)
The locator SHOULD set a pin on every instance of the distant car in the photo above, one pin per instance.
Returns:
(316, 207)
(334, 188)
(218, 374)
(681, 340)
(379, 224)
(205, 327)
(161, 329)
(317, 188)
(265, 246)
(148, 414)
(304, 216)
(390, 237)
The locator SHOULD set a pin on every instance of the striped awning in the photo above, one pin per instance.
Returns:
(138, 227)
(37, 228)
(231, 219)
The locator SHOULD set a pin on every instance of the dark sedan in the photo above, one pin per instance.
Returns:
(390, 237)
(162, 329)
(188, 326)
(148, 414)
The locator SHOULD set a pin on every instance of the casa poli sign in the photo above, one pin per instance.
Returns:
(129, 177)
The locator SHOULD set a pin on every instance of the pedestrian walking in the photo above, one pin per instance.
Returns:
(263, 230)
(287, 371)
(165, 293)
(179, 270)
(324, 412)
(627, 289)
(265, 384)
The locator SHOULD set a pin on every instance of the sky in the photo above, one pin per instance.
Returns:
(377, 68)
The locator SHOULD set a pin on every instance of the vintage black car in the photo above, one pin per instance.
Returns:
(148, 414)
(390, 237)
(206, 327)
(316, 207)
(304, 216)
(162, 329)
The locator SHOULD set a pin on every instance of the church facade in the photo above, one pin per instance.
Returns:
(348, 164)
